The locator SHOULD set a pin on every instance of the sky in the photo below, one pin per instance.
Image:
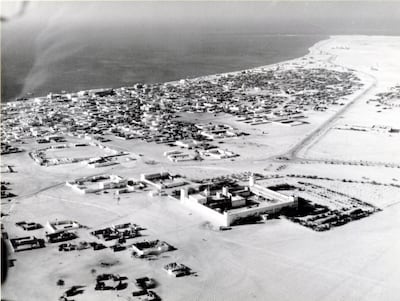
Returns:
(203, 15)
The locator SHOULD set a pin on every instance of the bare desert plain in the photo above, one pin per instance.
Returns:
(351, 149)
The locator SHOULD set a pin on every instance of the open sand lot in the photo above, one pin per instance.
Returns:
(379, 58)
(273, 260)
(356, 146)
(265, 140)
(76, 152)
(357, 173)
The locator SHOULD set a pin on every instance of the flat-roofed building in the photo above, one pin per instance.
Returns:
(226, 208)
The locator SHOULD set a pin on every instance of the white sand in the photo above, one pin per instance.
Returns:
(378, 57)
(278, 260)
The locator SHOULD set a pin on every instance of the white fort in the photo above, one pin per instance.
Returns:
(224, 208)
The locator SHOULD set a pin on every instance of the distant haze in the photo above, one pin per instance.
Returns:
(57, 46)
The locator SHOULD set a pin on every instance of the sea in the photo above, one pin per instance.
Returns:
(54, 47)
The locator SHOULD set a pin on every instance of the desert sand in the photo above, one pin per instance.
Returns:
(275, 260)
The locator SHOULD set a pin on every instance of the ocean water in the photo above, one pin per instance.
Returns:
(98, 65)
(84, 45)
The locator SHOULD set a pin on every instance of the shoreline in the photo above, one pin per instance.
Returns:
(312, 50)
(213, 75)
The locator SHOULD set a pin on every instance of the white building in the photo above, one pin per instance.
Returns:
(61, 226)
(274, 202)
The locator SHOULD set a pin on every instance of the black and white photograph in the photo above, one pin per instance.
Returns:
(200, 150)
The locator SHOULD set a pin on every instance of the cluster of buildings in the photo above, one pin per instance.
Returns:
(8, 148)
(153, 113)
(321, 208)
(197, 150)
(101, 161)
(143, 284)
(41, 156)
(163, 180)
(56, 231)
(49, 138)
(63, 230)
(98, 183)
(26, 243)
(111, 282)
(226, 203)
(149, 111)
(217, 153)
(374, 128)
(390, 98)
(67, 247)
(6, 190)
(29, 226)
(120, 232)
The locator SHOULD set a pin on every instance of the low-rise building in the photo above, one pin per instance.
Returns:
(26, 243)
(146, 248)
(61, 226)
(177, 269)
(97, 183)
(162, 180)
(230, 207)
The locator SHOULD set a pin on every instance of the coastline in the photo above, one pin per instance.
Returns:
(313, 50)
(211, 75)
